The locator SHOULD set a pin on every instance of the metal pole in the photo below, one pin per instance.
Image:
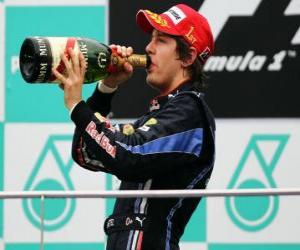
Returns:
(151, 193)
(42, 221)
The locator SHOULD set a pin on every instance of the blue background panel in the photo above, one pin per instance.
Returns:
(75, 246)
(1, 175)
(196, 228)
(44, 102)
(254, 246)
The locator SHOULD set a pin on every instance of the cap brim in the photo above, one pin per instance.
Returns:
(147, 24)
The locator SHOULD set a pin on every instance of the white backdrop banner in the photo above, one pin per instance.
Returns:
(255, 154)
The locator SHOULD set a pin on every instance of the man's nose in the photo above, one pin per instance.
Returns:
(150, 48)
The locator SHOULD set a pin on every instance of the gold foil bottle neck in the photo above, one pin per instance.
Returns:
(135, 60)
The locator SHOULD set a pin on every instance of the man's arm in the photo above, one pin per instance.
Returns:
(100, 101)
(172, 137)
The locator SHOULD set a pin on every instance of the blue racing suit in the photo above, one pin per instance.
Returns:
(170, 147)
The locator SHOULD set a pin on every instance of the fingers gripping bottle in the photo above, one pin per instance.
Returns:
(39, 55)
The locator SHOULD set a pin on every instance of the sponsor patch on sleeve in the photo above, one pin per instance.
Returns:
(128, 129)
(144, 128)
(101, 139)
(106, 121)
(151, 121)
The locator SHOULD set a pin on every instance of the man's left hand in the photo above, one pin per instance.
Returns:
(73, 78)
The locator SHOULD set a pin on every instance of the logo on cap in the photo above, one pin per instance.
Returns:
(157, 18)
(205, 54)
(190, 35)
(175, 14)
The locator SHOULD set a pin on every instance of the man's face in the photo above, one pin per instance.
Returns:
(165, 68)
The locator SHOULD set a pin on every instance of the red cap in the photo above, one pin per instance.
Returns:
(180, 20)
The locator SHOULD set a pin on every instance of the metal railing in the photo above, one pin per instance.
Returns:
(42, 195)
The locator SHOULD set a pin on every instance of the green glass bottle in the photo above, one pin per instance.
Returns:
(38, 55)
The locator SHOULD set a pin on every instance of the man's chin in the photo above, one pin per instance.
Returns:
(151, 83)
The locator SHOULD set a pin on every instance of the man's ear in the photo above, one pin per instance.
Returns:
(190, 60)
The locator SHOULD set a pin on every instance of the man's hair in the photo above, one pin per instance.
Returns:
(196, 69)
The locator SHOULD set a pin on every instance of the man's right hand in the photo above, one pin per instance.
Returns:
(125, 73)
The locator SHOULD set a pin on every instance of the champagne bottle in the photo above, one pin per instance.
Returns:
(39, 55)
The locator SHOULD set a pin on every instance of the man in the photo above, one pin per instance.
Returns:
(170, 147)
